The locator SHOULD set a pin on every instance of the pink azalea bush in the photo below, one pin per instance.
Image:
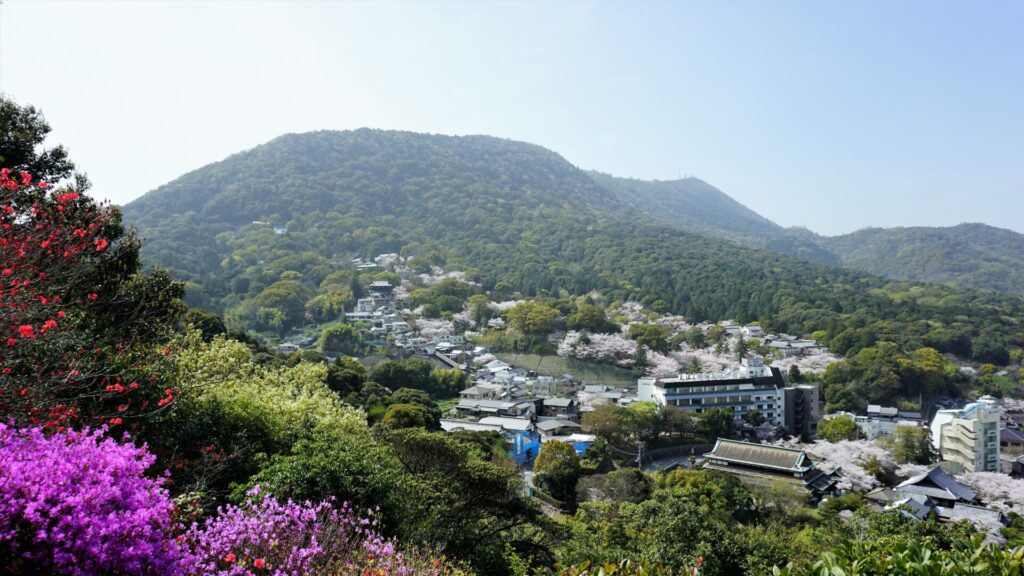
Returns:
(78, 503)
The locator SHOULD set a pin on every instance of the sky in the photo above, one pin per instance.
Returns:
(829, 115)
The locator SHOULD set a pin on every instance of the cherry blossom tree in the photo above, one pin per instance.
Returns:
(997, 490)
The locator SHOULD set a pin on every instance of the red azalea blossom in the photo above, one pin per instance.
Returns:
(27, 331)
(259, 563)
(230, 557)
(101, 244)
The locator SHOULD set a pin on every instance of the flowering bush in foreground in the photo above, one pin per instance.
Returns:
(77, 321)
(291, 539)
(78, 503)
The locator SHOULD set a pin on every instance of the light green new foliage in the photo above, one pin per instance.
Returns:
(914, 558)
(289, 400)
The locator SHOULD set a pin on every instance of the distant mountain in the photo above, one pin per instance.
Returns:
(693, 204)
(966, 256)
(972, 256)
(265, 231)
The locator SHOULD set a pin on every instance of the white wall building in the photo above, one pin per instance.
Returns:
(753, 387)
(970, 436)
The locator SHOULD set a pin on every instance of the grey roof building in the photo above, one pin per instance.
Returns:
(760, 464)
(938, 486)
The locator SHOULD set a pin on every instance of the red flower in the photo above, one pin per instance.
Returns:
(93, 296)
(26, 178)
(8, 271)
(27, 331)
(101, 244)
(115, 421)
(259, 563)
(230, 557)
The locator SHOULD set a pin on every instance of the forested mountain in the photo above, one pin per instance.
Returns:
(973, 256)
(695, 205)
(966, 256)
(519, 219)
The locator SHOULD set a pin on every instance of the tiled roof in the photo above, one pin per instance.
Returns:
(963, 511)
(937, 484)
(773, 457)
(547, 425)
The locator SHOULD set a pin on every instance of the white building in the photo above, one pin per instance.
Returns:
(969, 436)
(753, 387)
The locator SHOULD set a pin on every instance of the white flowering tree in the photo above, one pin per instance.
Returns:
(996, 490)
(606, 348)
(851, 456)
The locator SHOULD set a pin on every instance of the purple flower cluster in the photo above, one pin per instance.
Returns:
(79, 503)
(267, 536)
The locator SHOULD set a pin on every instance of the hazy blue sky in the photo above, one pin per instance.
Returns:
(833, 115)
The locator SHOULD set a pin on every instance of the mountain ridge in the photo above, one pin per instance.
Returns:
(969, 255)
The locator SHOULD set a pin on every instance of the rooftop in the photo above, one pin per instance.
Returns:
(760, 455)
(515, 424)
(935, 483)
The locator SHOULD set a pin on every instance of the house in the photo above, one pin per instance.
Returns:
(496, 366)
(565, 408)
(752, 331)
(486, 407)
(788, 346)
(366, 309)
(449, 339)
(882, 421)
(761, 465)
(878, 411)
(939, 486)
(879, 498)
(509, 425)
(1011, 439)
(482, 390)
(977, 515)
(969, 436)
(468, 426)
(556, 427)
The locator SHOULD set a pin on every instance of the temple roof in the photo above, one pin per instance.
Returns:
(761, 455)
